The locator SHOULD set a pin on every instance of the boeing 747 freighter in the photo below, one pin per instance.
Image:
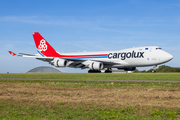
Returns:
(127, 59)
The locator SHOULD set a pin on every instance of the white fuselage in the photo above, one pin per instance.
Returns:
(132, 57)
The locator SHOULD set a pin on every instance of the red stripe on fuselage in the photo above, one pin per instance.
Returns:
(66, 56)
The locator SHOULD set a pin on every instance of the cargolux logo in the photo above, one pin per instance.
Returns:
(125, 55)
(42, 46)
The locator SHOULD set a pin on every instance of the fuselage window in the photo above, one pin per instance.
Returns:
(158, 49)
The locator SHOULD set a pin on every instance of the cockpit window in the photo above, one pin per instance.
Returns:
(158, 48)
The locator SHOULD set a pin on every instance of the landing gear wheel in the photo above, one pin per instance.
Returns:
(94, 71)
(109, 70)
(154, 69)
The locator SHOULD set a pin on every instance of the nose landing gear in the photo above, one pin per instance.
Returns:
(154, 69)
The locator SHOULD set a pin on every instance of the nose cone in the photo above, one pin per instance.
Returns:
(166, 57)
(169, 57)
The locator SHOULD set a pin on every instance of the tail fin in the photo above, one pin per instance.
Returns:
(43, 47)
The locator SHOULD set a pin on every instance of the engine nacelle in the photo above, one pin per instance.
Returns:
(128, 68)
(96, 66)
(60, 63)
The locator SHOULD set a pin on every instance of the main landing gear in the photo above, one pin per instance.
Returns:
(94, 71)
(109, 70)
(154, 69)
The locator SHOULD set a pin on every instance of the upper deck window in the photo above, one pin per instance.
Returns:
(158, 48)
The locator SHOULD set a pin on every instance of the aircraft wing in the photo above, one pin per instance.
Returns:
(74, 63)
(32, 56)
(83, 63)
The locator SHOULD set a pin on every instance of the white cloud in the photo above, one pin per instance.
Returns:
(8, 46)
(86, 21)
(48, 20)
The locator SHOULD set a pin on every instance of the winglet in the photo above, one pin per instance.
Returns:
(13, 54)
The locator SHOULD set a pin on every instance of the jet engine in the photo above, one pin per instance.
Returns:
(96, 66)
(128, 68)
(60, 62)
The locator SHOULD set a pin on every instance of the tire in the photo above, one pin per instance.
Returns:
(108, 71)
(94, 71)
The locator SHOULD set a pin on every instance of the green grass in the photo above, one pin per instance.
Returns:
(23, 109)
(98, 76)
(10, 109)
(95, 84)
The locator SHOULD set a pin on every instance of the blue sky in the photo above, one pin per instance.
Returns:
(86, 25)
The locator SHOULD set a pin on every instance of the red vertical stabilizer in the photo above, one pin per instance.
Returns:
(43, 46)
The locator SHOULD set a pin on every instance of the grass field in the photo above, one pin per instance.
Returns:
(52, 99)
(97, 76)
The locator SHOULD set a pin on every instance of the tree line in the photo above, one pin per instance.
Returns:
(162, 68)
